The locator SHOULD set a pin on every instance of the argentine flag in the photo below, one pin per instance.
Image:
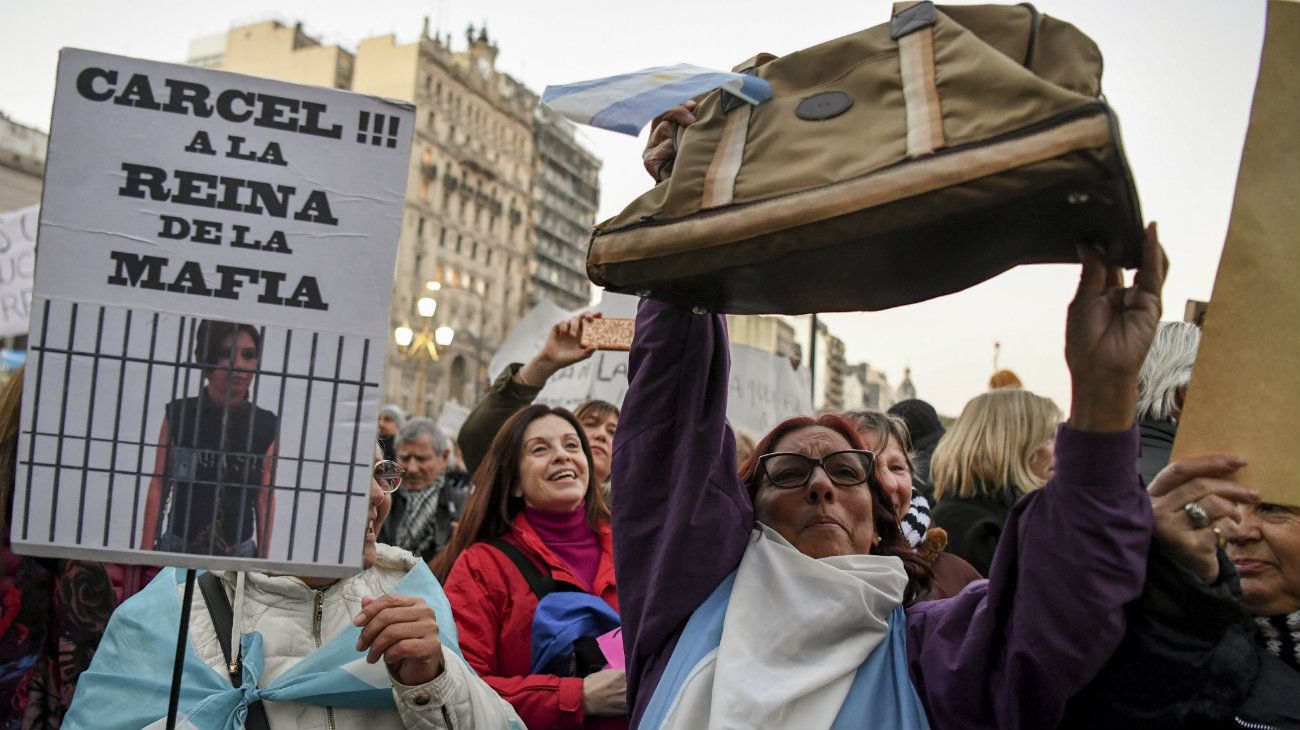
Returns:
(625, 103)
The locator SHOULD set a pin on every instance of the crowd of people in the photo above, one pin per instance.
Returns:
(641, 565)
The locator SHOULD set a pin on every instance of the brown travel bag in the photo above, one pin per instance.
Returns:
(890, 166)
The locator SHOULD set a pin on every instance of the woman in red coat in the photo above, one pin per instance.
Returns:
(535, 490)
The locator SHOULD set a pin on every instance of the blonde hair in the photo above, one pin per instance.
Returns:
(988, 449)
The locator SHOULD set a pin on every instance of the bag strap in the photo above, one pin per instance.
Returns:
(214, 595)
(913, 28)
(542, 585)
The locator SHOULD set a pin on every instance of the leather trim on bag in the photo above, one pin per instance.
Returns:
(910, 20)
(720, 179)
(920, 93)
(901, 181)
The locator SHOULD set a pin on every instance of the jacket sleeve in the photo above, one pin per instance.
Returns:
(1009, 652)
(456, 700)
(507, 397)
(476, 594)
(682, 518)
(1194, 637)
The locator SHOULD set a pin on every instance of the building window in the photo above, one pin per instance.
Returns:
(419, 228)
(473, 251)
(442, 238)
(459, 240)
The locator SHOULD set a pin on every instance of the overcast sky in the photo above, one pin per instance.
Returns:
(1180, 75)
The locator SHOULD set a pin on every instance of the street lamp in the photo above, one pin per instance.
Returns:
(425, 343)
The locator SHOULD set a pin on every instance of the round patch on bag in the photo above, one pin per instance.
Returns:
(826, 105)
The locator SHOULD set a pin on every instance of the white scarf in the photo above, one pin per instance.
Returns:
(795, 633)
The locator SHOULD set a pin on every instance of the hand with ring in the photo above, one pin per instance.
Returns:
(1195, 504)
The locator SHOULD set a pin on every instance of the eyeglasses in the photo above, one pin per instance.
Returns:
(790, 470)
(389, 475)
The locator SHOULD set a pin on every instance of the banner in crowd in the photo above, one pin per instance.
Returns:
(764, 388)
(1245, 389)
(208, 329)
(17, 265)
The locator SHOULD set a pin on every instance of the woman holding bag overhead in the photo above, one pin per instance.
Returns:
(762, 592)
(535, 540)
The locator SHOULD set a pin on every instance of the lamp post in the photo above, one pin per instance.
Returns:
(425, 343)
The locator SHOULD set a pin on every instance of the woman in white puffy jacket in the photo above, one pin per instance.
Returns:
(376, 651)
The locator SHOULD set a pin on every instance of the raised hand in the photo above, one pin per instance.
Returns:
(661, 148)
(563, 348)
(1107, 334)
(1203, 481)
(402, 630)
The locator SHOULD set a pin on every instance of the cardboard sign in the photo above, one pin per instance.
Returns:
(208, 328)
(17, 265)
(764, 389)
(1245, 389)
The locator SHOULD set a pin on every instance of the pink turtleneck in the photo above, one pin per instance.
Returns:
(569, 536)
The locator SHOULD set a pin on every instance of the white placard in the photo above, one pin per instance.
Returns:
(209, 321)
(764, 389)
(17, 264)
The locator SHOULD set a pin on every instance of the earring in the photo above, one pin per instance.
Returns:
(876, 540)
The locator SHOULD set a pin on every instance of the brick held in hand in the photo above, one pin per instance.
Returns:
(608, 334)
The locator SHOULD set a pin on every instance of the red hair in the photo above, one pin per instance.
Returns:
(892, 541)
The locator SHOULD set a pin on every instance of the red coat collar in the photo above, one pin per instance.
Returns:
(525, 537)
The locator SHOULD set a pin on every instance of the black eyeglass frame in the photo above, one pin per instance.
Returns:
(869, 458)
(385, 481)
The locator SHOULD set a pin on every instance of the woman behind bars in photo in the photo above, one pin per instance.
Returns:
(210, 494)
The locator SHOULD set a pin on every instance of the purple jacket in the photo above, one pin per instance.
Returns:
(1006, 653)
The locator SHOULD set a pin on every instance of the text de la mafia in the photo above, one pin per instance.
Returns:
(221, 192)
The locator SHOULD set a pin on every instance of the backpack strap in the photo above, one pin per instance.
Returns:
(542, 585)
(214, 595)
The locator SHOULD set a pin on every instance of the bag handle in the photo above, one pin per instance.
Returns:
(214, 595)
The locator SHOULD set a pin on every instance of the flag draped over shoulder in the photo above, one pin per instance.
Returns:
(625, 103)
(129, 681)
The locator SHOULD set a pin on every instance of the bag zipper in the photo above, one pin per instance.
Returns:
(1253, 725)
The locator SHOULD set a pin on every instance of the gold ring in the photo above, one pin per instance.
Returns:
(1222, 540)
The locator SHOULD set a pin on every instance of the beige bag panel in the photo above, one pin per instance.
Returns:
(984, 93)
(1061, 54)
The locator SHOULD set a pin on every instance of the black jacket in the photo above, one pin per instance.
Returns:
(974, 525)
(1188, 659)
(1156, 444)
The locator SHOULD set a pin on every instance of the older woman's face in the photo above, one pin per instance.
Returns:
(894, 475)
(1266, 551)
(819, 518)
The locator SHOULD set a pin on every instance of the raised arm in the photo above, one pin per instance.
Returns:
(517, 387)
(1009, 653)
(682, 517)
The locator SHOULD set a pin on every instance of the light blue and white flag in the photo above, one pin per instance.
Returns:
(128, 682)
(627, 102)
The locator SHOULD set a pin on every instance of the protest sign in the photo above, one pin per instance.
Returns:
(208, 328)
(764, 388)
(1245, 389)
(17, 264)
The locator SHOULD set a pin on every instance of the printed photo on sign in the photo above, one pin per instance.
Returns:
(207, 327)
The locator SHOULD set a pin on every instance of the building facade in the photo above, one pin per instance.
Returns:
(566, 194)
(276, 50)
(22, 164)
(467, 237)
